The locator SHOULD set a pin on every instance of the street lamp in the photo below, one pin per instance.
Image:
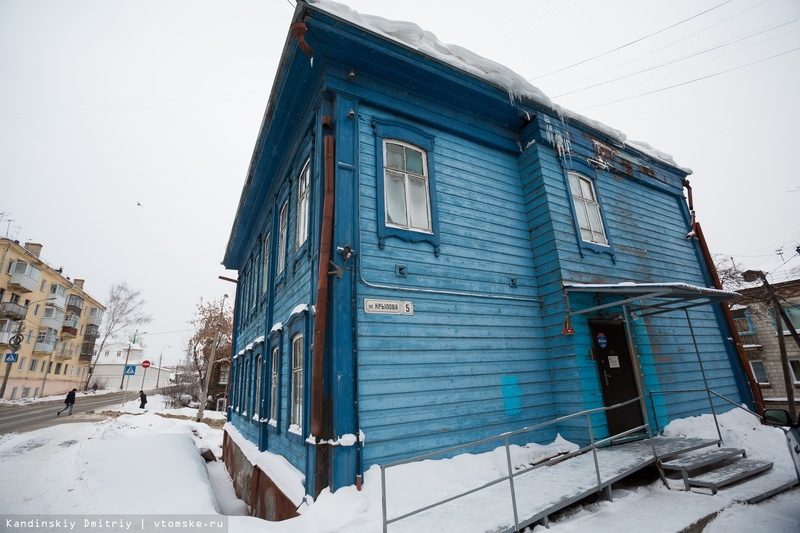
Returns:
(160, 356)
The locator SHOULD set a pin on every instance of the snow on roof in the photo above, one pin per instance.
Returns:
(410, 35)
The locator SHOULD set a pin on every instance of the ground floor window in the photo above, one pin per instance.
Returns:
(760, 372)
(297, 382)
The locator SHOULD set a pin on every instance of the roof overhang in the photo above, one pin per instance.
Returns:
(649, 298)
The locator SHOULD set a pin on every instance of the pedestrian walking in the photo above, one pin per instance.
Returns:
(94, 387)
(142, 398)
(70, 401)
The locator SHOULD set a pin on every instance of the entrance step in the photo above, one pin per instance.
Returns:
(731, 473)
(716, 468)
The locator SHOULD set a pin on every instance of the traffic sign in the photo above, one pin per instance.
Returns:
(145, 364)
(11, 358)
(130, 370)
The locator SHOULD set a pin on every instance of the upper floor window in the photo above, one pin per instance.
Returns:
(265, 267)
(224, 374)
(406, 191)
(283, 219)
(303, 183)
(759, 371)
(794, 365)
(587, 209)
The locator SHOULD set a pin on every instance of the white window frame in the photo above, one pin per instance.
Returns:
(301, 215)
(257, 391)
(224, 374)
(587, 209)
(274, 385)
(758, 363)
(283, 223)
(267, 255)
(296, 416)
(392, 174)
(21, 367)
(794, 367)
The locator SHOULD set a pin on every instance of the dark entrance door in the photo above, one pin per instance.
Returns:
(617, 378)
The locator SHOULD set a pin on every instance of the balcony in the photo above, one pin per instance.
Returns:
(5, 336)
(45, 346)
(92, 332)
(95, 316)
(87, 349)
(12, 311)
(52, 318)
(75, 305)
(62, 356)
(25, 277)
(70, 327)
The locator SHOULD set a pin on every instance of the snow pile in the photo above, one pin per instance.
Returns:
(412, 36)
(146, 463)
(131, 464)
(739, 429)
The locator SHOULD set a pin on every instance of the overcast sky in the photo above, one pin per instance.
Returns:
(105, 105)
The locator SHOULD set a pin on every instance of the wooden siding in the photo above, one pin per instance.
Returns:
(462, 367)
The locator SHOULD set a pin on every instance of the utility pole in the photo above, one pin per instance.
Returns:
(160, 358)
(780, 316)
(210, 365)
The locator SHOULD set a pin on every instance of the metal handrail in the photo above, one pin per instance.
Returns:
(709, 392)
(593, 445)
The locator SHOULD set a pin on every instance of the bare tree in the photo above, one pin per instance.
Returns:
(124, 310)
(209, 317)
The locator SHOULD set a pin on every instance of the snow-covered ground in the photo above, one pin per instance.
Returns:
(140, 465)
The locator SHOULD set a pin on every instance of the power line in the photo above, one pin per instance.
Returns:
(694, 80)
(673, 43)
(630, 43)
(688, 56)
(515, 19)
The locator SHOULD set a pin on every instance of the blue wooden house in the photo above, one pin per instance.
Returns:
(430, 252)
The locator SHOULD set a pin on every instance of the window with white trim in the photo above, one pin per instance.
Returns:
(406, 189)
(257, 399)
(760, 372)
(587, 209)
(283, 219)
(794, 365)
(224, 374)
(265, 267)
(301, 227)
(273, 384)
(296, 418)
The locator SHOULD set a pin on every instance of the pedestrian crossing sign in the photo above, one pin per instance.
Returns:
(11, 357)
(130, 370)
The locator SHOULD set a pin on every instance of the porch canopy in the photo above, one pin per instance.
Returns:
(648, 298)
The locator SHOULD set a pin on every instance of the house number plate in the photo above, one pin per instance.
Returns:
(388, 307)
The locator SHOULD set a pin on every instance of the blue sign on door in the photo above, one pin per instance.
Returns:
(11, 357)
(602, 340)
(130, 370)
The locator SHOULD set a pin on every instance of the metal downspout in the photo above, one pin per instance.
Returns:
(319, 403)
(755, 390)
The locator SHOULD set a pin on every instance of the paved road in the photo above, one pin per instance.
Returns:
(38, 415)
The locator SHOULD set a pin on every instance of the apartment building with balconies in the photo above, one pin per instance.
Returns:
(55, 321)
